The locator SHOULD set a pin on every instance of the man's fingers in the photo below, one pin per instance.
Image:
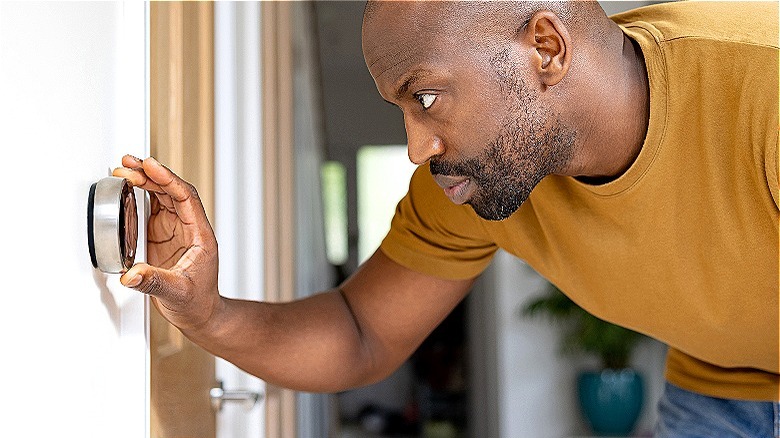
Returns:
(176, 187)
(132, 162)
(172, 193)
(150, 174)
(165, 201)
(138, 178)
(157, 282)
(185, 197)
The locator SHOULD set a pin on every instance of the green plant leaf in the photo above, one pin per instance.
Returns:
(583, 332)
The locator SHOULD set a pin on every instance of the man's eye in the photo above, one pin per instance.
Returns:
(426, 100)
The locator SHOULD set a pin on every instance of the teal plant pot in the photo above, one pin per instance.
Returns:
(611, 400)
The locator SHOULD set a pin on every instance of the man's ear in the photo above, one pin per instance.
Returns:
(546, 34)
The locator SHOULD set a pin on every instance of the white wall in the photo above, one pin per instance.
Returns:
(72, 101)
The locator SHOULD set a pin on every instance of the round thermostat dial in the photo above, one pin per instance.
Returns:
(112, 225)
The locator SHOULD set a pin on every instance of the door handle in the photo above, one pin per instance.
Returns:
(219, 396)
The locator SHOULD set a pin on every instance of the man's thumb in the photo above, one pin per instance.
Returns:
(149, 280)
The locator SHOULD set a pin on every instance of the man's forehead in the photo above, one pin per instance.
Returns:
(396, 22)
(373, 7)
(403, 33)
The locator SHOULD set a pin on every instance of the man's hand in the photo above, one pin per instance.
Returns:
(181, 275)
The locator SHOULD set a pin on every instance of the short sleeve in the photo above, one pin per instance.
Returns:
(431, 235)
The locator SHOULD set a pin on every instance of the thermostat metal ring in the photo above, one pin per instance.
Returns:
(112, 225)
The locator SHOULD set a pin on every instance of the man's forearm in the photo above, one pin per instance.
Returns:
(314, 344)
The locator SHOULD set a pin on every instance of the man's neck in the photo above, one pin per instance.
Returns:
(614, 117)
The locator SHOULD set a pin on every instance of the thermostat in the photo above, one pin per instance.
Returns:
(112, 225)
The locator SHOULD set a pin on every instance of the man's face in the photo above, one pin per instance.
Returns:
(467, 108)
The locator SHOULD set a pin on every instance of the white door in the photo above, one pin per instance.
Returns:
(72, 101)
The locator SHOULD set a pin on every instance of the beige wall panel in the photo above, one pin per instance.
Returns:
(182, 137)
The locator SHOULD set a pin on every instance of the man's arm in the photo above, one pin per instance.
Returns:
(347, 337)
(343, 338)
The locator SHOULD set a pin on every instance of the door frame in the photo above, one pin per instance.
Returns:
(181, 126)
(182, 118)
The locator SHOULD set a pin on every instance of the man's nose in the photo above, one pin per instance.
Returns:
(423, 143)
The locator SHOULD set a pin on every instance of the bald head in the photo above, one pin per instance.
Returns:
(392, 27)
(582, 17)
(498, 94)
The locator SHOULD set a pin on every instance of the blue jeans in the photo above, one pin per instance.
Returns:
(685, 414)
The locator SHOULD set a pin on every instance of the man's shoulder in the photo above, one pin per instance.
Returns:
(753, 22)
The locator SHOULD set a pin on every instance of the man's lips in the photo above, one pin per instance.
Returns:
(457, 188)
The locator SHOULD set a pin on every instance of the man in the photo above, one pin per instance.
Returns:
(632, 162)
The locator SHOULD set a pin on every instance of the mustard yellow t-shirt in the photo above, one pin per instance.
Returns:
(684, 245)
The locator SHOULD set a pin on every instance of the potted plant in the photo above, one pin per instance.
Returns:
(612, 397)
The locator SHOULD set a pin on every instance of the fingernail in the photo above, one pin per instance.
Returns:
(135, 281)
(134, 158)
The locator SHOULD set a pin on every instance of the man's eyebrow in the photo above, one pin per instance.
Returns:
(408, 82)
